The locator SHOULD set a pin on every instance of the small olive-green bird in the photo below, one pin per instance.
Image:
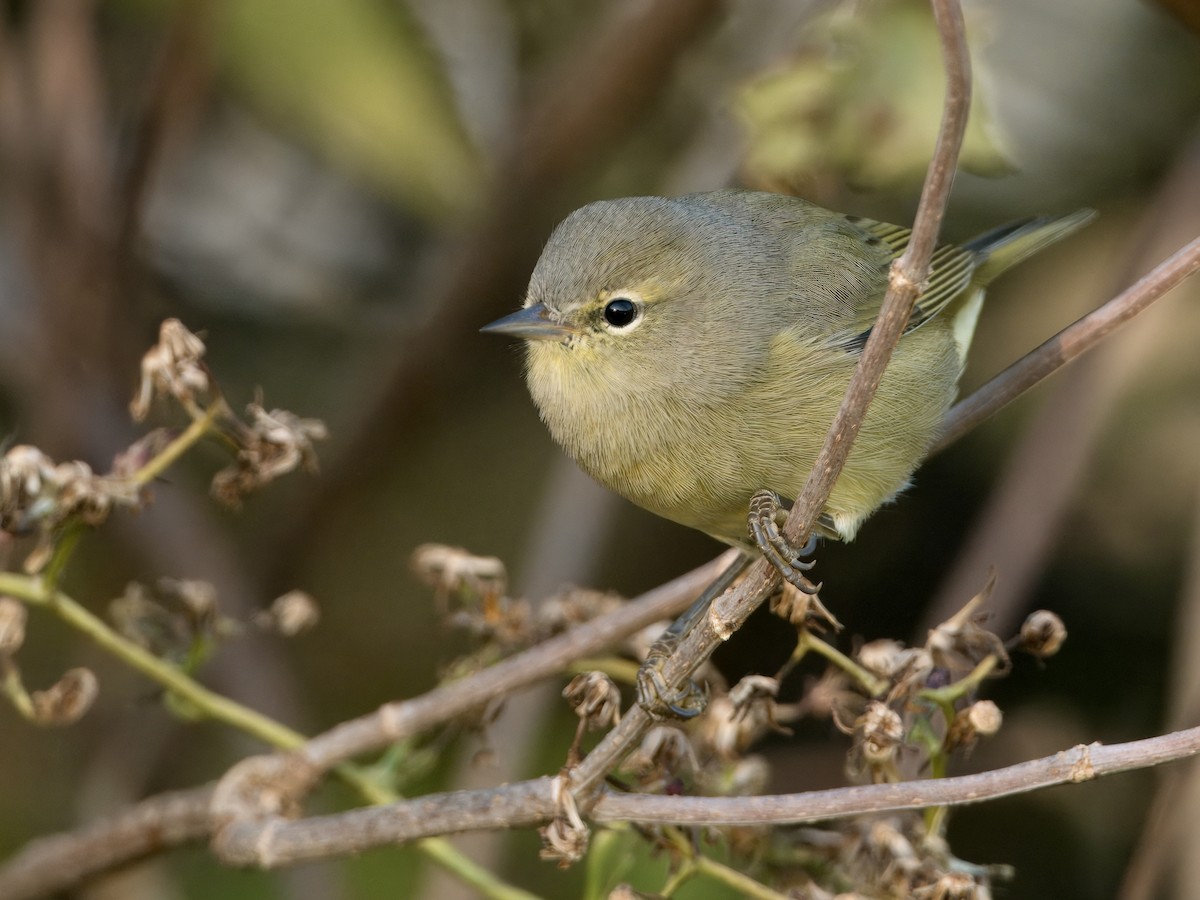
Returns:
(690, 352)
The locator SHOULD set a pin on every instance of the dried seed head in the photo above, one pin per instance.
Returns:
(961, 642)
(1042, 633)
(24, 473)
(746, 777)
(67, 700)
(566, 837)
(290, 614)
(882, 657)
(878, 733)
(985, 717)
(171, 618)
(12, 625)
(981, 719)
(37, 496)
(802, 610)
(829, 695)
(572, 607)
(276, 443)
(953, 886)
(172, 367)
(664, 752)
(451, 570)
(752, 689)
(595, 699)
(887, 843)
(754, 704)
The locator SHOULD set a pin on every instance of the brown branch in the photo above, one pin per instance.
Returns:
(1081, 763)
(1075, 339)
(524, 804)
(906, 281)
(908, 273)
(55, 863)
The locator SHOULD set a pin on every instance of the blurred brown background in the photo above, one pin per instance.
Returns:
(339, 193)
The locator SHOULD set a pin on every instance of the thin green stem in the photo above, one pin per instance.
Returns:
(163, 460)
(63, 550)
(681, 876)
(38, 593)
(873, 685)
(621, 670)
(14, 688)
(946, 696)
(740, 882)
(694, 863)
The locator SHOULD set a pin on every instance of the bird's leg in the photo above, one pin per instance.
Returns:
(767, 508)
(653, 693)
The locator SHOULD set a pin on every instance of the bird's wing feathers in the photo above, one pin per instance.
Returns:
(950, 274)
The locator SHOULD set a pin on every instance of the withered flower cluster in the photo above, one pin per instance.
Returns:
(39, 497)
(49, 501)
(908, 710)
(471, 592)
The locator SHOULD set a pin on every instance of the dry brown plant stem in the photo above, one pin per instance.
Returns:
(531, 802)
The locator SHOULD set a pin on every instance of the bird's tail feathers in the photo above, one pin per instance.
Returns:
(1004, 247)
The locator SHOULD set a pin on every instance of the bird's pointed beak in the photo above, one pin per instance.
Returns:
(533, 323)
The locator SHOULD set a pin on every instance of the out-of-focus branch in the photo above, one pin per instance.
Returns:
(908, 273)
(1168, 839)
(61, 861)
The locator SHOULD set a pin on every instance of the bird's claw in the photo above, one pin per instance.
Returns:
(791, 562)
(653, 694)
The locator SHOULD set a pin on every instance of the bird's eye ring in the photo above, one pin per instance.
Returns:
(621, 312)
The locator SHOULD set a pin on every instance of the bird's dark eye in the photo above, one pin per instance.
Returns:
(620, 312)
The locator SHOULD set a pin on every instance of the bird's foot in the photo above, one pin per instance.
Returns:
(767, 510)
(653, 693)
